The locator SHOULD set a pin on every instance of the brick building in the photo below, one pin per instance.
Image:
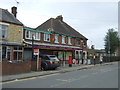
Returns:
(55, 37)
(11, 35)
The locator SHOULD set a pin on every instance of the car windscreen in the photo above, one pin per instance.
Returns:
(53, 58)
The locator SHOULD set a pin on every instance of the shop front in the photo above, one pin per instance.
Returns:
(61, 51)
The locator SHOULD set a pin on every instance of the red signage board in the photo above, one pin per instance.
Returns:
(36, 51)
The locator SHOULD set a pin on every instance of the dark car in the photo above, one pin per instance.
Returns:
(49, 62)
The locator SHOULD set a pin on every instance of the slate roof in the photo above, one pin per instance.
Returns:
(60, 27)
(6, 16)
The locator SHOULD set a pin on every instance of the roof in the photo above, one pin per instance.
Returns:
(6, 16)
(59, 26)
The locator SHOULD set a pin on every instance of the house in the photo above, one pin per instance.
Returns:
(11, 35)
(55, 37)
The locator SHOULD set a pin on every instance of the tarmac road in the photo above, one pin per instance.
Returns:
(104, 76)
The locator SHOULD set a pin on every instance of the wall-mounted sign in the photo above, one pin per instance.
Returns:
(36, 51)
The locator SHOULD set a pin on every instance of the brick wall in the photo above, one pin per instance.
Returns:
(15, 33)
(21, 67)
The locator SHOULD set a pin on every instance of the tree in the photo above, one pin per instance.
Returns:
(112, 41)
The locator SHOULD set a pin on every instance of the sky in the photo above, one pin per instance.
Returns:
(92, 18)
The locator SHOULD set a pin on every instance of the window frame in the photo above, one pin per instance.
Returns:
(56, 38)
(26, 34)
(69, 41)
(63, 39)
(18, 50)
(5, 31)
(46, 37)
(36, 35)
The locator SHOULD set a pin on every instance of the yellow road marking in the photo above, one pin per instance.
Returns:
(62, 80)
(28, 78)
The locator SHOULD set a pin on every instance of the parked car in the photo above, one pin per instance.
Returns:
(49, 62)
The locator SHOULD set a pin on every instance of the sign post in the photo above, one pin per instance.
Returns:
(36, 52)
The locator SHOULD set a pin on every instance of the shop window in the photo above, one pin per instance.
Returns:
(77, 55)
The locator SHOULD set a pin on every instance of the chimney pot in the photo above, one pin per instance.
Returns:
(14, 11)
(59, 17)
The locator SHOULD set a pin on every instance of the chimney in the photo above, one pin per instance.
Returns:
(59, 17)
(14, 10)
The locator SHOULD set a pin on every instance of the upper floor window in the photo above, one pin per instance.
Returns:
(63, 39)
(37, 34)
(3, 31)
(56, 38)
(29, 35)
(46, 37)
(69, 40)
(77, 42)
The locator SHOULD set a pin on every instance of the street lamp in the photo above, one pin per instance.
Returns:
(32, 47)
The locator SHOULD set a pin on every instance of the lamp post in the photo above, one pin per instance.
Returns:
(32, 47)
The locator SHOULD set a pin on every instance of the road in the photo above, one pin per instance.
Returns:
(104, 76)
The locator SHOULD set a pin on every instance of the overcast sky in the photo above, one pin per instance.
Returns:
(92, 19)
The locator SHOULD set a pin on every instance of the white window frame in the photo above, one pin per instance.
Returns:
(28, 34)
(5, 30)
(18, 51)
(69, 40)
(63, 40)
(37, 36)
(56, 38)
(46, 37)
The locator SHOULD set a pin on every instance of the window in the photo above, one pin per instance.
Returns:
(63, 39)
(69, 40)
(37, 36)
(56, 38)
(27, 34)
(77, 42)
(46, 37)
(6, 52)
(4, 31)
(18, 53)
(32, 34)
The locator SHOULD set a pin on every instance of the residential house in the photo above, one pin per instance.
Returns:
(55, 37)
(11, 35)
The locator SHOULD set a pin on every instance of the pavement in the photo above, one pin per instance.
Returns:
(61, 69)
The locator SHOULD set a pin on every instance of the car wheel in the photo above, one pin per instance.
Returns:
(44, 67)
